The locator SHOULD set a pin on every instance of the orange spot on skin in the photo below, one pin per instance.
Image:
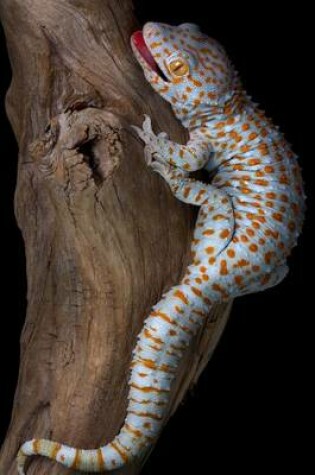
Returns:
(211, 260)
(261, 182)
(77, 459)
(187, 190)
(205, 277)
(196, 291)
(268, 257)
(178, 309)
(271, 195)
(208, 232)
(164, 89)
(244, 238)
(277, 217)
(210, 250)
(180, 295)
(256, 268)
(211, 95)
(163, 316)
(292, 226)
(120, 451)
(254, 161)
(55, 450)
(200, 194)
(269, 169)
(155, 44)
(242, 263)
(244, 148)
(134, 431)
(261, 219)
(223, 267)
(238, 280)
(245, 127)
(224, 233)
(218, 288)
(284, 198)
(36, 446)
(264, 132)
(100, 460)
(218, 217)
(230, 253)
(148, 389)
(238, 167)
(253, 248)
(172, 332)
(148, 335)
(148, 363)
(203, 269)
(252, 136)
(196, 82)
(263, 148)
(265, 279)
(250, 232)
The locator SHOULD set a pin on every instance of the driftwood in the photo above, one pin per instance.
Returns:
(103, 235)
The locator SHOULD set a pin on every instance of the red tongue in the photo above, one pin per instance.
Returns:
(139, 43)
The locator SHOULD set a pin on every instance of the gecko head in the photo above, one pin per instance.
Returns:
(186, 67)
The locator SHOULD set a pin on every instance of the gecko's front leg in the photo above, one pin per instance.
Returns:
(159, 147)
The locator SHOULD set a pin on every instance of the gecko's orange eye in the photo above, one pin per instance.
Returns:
(178, 67)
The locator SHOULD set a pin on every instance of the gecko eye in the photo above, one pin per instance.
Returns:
(178, 67)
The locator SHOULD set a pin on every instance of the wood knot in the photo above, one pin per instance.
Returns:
(80, 147)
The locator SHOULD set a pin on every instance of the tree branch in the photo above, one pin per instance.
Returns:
(103, 235)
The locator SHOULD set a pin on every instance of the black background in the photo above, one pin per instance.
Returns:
(249, 408)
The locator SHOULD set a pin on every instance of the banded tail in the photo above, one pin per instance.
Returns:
(166, 334)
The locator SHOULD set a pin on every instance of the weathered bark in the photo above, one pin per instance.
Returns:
(103, 235)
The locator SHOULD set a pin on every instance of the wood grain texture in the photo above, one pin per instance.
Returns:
(103, 235)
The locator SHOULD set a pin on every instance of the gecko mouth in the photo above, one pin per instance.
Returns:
(139, 43)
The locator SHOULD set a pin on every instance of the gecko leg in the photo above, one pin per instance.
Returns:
(190, 157)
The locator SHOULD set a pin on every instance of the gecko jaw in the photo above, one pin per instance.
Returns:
(145, 56)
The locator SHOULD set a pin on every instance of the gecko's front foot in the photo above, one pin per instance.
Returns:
(152, 141)
(152, 151)
(163, 169)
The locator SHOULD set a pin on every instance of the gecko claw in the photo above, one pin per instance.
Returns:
(151, 141)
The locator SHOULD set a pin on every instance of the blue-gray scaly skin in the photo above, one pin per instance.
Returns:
(249, 220)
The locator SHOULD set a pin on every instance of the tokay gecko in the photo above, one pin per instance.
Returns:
(249, 219)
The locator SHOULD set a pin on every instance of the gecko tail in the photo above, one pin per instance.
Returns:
(103, 459)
